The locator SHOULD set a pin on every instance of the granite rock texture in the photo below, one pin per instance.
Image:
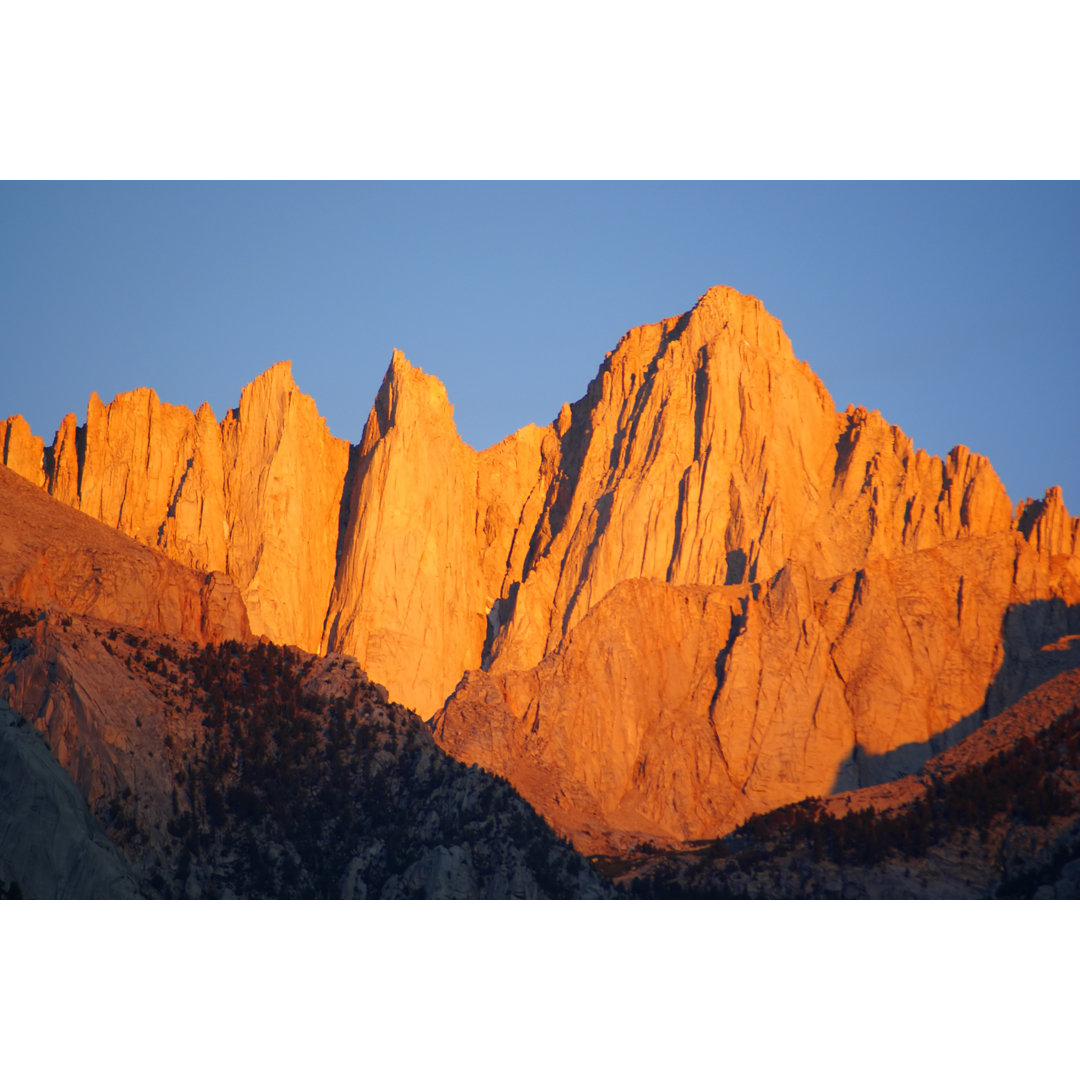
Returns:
(701, 591)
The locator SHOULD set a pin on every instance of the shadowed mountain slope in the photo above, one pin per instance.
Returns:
(51, 847)
(241, 770)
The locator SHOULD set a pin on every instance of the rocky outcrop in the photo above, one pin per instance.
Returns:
(257, 497)
(432, 524)
(21, 450)
(1047, 524)
(62, 463)
(51, 556)
(704, 452)
(615, 723)
(284, 481)
(996, 816)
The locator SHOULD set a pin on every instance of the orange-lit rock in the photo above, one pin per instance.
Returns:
(699, 592)
(62, 466)
(284, 479)
(51, 556)
(21, 450)
(257, 497)
(890, 601)
(431, 528)
(1048, 525)
(704, 452)
(611, 730)
(674, 712)
(195, 529)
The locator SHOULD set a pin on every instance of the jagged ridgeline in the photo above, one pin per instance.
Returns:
(700, 593)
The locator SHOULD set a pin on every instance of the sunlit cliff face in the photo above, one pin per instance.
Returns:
(692, 596)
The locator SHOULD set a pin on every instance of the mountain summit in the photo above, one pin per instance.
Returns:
(700, 592)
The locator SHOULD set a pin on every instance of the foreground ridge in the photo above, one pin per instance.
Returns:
(240, 770)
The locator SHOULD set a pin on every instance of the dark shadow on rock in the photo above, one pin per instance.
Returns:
(701, 396)
(1035, 652)
(499, 614)
(346, 513)
(736, 567)
(80, 456)
(345, 508)
(603, 516)
(1029, 516)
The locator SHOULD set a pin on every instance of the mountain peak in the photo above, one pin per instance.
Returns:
(20, 449)
(275, 382)
(401, 370)
(281, 372)
(726, 298)
(409, 396)
(724, 323)
(813, 585)
(399, 362)
(744, 317)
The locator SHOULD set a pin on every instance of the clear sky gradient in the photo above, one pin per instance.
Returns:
(952, 308)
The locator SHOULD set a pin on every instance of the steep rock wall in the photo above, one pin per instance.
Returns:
(676, 712)
(256, 497)
(284, 480)
(432, 523)
(21, 450)
(703, 453)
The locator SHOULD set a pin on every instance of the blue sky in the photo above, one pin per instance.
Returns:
(950, 307)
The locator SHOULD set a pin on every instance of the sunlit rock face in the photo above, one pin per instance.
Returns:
(868, 602)
(700, 592)
(21, 450)
(284, 478)
(704, 452)
(256, 497)
(53, 557)
(431, 528)
(676, 712)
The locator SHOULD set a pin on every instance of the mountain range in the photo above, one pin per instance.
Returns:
(702, 593)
